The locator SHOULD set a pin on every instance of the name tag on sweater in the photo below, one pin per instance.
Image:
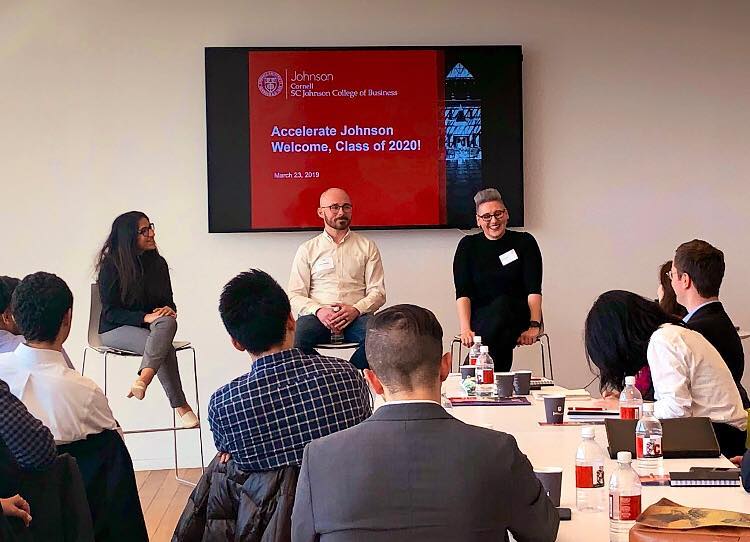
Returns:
(322, 264)
(508, 257)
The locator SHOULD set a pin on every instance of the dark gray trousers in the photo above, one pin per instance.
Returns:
(155, 345)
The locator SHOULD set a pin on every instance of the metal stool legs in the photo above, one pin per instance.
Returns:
(542, 339)
(174, 427)
(455, 359)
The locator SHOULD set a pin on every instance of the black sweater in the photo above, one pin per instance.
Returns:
(479, 274)
(155, 290)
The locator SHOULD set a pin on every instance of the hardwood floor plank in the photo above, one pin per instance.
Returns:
(160, 503)
(163, 499)
(151, 487)
(140, 478)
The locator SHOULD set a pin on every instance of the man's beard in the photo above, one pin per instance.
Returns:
(341, 223)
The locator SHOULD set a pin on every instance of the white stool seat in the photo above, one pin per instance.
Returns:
(342, 346)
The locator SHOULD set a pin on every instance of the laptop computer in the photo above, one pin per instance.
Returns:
(682, 438)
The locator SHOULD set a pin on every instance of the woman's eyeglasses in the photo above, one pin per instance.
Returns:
(497, 215)
(146, 230)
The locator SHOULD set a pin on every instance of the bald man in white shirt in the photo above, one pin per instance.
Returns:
(70, 405)
(337, 280)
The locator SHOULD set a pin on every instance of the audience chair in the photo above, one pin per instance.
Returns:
(95, 344)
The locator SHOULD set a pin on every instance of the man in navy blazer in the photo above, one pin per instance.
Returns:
(697, 272)
(411, 471)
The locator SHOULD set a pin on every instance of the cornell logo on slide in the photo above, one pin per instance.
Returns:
(270, 83)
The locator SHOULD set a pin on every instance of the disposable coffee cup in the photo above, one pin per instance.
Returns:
(551, 479)
(467, 371)
(522, 382)
(554, 407)
(504, 384)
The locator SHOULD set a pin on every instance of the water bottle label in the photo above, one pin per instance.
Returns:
(648, 447)
(624, 508)
(472, 360)
(588, 477)
(630, 413)
(485, 376)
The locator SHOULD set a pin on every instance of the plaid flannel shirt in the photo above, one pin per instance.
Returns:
(266, 417)
(29, 442)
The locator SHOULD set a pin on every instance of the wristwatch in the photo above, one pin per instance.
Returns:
(534, 323)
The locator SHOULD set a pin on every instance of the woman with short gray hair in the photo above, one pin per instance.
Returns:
(498, 278)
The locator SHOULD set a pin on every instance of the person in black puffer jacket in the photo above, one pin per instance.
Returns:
(230, 504)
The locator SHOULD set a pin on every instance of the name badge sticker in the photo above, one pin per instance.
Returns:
(508, 257)
(322, 264)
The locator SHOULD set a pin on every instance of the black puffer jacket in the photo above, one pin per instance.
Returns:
(232, 505)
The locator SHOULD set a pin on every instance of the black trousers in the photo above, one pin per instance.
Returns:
(500, 323)
(731, 440)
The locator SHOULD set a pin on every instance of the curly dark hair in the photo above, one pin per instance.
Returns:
(618, 329)
(668, 301)
(254, 309)
(39, 305)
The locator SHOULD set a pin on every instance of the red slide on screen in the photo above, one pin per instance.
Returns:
(370, 122)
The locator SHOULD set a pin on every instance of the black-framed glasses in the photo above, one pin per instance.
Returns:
(335, 208)
(144, 231)
(497, 215)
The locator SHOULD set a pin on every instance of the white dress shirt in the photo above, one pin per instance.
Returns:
(324, 272)
(691, 379)
(71, 405)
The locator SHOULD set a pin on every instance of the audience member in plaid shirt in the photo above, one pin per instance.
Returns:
(264, 419)
(27, 441)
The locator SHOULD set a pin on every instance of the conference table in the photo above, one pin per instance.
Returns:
(555, 446)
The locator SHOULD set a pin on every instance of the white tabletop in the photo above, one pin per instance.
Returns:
(548, 446)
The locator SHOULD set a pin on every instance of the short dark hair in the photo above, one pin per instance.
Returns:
(39, 305)
(7, 286)
(616, 334)
(704, 264)
(404, 345)
(254, 309)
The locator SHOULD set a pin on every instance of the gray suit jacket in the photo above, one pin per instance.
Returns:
(412, 472)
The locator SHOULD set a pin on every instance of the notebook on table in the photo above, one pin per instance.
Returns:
(705, 478)
(682, 438)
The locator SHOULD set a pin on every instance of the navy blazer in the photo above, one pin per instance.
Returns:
(714, 324)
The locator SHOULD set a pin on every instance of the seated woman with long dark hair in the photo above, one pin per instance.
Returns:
(138, 310)
(625, 332)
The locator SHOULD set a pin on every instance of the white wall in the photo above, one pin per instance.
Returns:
(636, 139)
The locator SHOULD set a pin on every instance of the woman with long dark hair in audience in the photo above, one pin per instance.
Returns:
(625, 332)
(665, 293)
(138, 310)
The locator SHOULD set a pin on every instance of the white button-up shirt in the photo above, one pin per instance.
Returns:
(349, 272)
(691, 379)
(71, 405)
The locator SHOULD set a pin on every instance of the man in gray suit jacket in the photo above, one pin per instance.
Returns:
(411, 471)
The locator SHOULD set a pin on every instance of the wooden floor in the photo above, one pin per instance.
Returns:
(162, 499)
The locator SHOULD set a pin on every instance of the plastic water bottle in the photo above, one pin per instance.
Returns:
(624, 499)
(474, 350)
(648, 442)
(590, 491)
(336, 336)
(485, 372)
(631, 401)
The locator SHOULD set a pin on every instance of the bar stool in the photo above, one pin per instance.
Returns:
(95, 344)
(542, 339)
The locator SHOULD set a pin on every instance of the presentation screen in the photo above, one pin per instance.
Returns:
(411, 133)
